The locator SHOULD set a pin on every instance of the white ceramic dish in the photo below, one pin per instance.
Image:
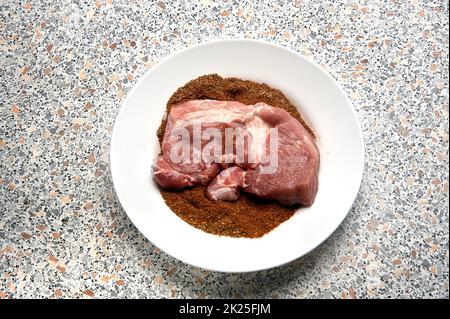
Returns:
(321, 102)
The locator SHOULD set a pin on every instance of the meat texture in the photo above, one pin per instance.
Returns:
(176, 177)
(294, 179)
(227, 184)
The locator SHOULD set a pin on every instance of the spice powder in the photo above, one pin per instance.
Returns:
(248, 216)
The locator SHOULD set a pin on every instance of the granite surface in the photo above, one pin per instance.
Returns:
(65, 68)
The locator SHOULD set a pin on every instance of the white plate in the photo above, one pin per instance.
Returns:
(321, 102)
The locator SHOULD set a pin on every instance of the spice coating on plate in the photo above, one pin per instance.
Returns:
(249, 216)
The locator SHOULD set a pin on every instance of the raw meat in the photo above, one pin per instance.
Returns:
(171, 176)
(294, 180)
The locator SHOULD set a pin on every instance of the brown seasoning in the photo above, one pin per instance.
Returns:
(249, 216)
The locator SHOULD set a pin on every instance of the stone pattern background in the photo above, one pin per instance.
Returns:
(65, 68)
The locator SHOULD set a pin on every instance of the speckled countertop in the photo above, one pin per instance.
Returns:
(65, 68)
